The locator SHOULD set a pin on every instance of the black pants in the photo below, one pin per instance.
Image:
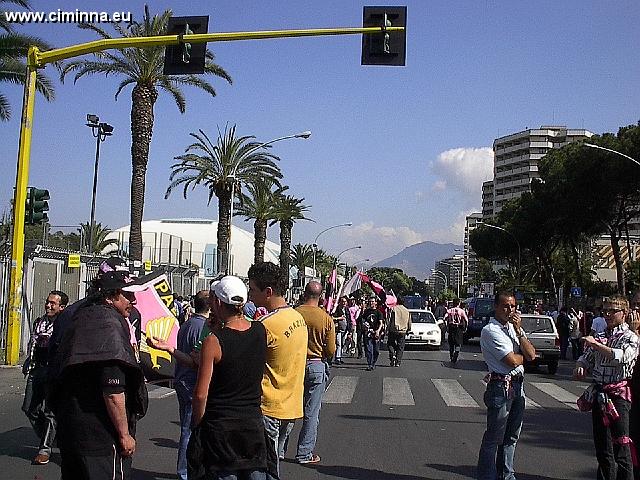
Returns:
(395, 344)
(76, 466)
(455, 339)
(614, 459)
(576, 348)
(360, 342)
(35, 407)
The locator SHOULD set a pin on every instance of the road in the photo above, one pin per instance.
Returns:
(423, 420)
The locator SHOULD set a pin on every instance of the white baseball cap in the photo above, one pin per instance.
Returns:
(230, 290)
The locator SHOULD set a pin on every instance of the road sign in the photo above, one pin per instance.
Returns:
(576, 292)
(74, 260)
(147, 265)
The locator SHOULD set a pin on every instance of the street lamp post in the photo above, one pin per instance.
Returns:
(305, 134)
(512, 236)
(444, 277)
(315, 242)
(346, 250)
(591, 145)
(366, 260)
(100, 131)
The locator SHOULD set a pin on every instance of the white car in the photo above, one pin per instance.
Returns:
(425, 330)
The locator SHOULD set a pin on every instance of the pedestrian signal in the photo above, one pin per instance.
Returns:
(185, 58)
(388, 48)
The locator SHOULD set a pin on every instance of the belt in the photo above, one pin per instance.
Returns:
(314, 359)
(499, 377)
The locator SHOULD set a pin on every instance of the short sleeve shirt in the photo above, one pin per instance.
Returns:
(599, 325)
(497, 341)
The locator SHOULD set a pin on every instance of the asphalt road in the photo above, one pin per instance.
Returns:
(423, 420)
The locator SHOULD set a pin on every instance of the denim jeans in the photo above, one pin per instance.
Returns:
(278, 431)
(315, 381)
(184, 392)
(35, 407)
(614, 458)
(504, 421)
(372, 350)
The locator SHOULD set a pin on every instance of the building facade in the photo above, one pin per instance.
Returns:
(469, 264)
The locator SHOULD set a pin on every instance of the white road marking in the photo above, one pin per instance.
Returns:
(559, 393)
(340, 390)
(161, 392)
(396, 391)
(453, 394)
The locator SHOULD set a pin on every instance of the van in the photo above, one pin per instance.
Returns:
(479, 313)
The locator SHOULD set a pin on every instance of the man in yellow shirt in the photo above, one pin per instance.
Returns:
(283, 380)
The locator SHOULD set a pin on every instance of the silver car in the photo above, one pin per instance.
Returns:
(542, 333)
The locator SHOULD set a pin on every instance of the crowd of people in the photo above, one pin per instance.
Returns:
(241, 383)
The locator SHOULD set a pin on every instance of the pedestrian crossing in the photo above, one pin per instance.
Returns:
(455, 393)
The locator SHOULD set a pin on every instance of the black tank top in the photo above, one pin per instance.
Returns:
(236, 384)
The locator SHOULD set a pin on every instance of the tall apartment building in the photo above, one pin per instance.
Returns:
(470, 261)
(516, 159)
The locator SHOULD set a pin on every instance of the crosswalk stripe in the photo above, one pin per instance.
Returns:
(396, 391)
(453, 394)
(340, 390)
(528, 404)
(559, 393)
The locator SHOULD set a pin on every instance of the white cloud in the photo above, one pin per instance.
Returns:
(378, 242)
(453, 233)
(464, 169)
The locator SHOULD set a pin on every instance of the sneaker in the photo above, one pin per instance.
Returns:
(313, 459)
(369, 368)
(41, 459)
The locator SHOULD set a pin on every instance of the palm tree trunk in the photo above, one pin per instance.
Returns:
(260, 238)
(285, 251)
(224, 228)
(143, 98)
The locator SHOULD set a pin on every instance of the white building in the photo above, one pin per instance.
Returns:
(193, 241)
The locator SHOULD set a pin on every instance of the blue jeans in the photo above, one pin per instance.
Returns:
(184, 392)
(315, 381)
(504, 421)
(278, 431)
(372, 350)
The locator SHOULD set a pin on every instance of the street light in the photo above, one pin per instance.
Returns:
(444, 277)
(457, 275)
(591, 145)
(346, 250)
(512, 236)
(315, 242)
(366, 260)
(306, 134)
(100, 131)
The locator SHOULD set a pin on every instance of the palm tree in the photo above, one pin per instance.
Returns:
(232, 159)
(100, 241)
(288, 210)
(13, 50)
(142, 67)
(302, 255)
(259, 205)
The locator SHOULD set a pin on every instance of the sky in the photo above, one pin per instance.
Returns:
(401, 152)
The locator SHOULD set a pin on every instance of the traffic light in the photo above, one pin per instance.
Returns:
(388, 48)
(37, 206)
(185, 58)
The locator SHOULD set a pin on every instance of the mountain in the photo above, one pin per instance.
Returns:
(418, 260)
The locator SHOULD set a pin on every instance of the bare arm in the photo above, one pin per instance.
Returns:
(117, 411)
(181, 357)
(527, 349)
(210, 355)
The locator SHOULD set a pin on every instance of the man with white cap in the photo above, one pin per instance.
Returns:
(228, 439)
(287, 338)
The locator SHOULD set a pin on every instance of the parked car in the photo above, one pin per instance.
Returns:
(542, 333)
(425, 330)
(480, 310)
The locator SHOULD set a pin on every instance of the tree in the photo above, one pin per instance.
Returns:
(392, 279)
(13, 51)
(302, 256)
(259, 205)
(232, 160)
(142, 68)
(99, 242)
(288, 210)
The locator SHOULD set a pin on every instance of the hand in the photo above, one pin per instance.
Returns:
(127, 445)
(516, 321)
(589, 341)
(579, 372)
(633, 319)
(159, 344)
(195, 356)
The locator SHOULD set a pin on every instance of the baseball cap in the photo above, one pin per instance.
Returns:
(113, 264)
(230, 290)
(119, 281)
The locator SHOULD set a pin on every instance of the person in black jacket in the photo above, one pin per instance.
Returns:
(99, 392)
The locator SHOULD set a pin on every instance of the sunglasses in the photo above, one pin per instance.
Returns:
(611, 311)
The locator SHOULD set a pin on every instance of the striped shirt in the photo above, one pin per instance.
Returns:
(624, 344)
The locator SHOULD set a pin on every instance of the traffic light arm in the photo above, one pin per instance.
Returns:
(40, 59)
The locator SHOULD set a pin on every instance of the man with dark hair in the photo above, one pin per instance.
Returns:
(505, 349)
(457, 321)
(100, 392)
(186, 370)
(283, 381)
(372, 323)
(36, 370)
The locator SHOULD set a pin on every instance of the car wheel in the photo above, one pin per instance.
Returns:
(553, 367)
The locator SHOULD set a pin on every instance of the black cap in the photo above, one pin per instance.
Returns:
(118, 281)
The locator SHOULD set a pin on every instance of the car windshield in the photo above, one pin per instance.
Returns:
(422, 317)
(484, 307)
(537, 325)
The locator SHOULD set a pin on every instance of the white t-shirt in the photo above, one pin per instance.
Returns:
(599, 325)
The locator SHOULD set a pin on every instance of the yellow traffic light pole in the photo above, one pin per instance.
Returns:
(37, 59)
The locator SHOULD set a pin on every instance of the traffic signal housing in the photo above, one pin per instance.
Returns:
(185, 58)
(388, 48)
(37, 206)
